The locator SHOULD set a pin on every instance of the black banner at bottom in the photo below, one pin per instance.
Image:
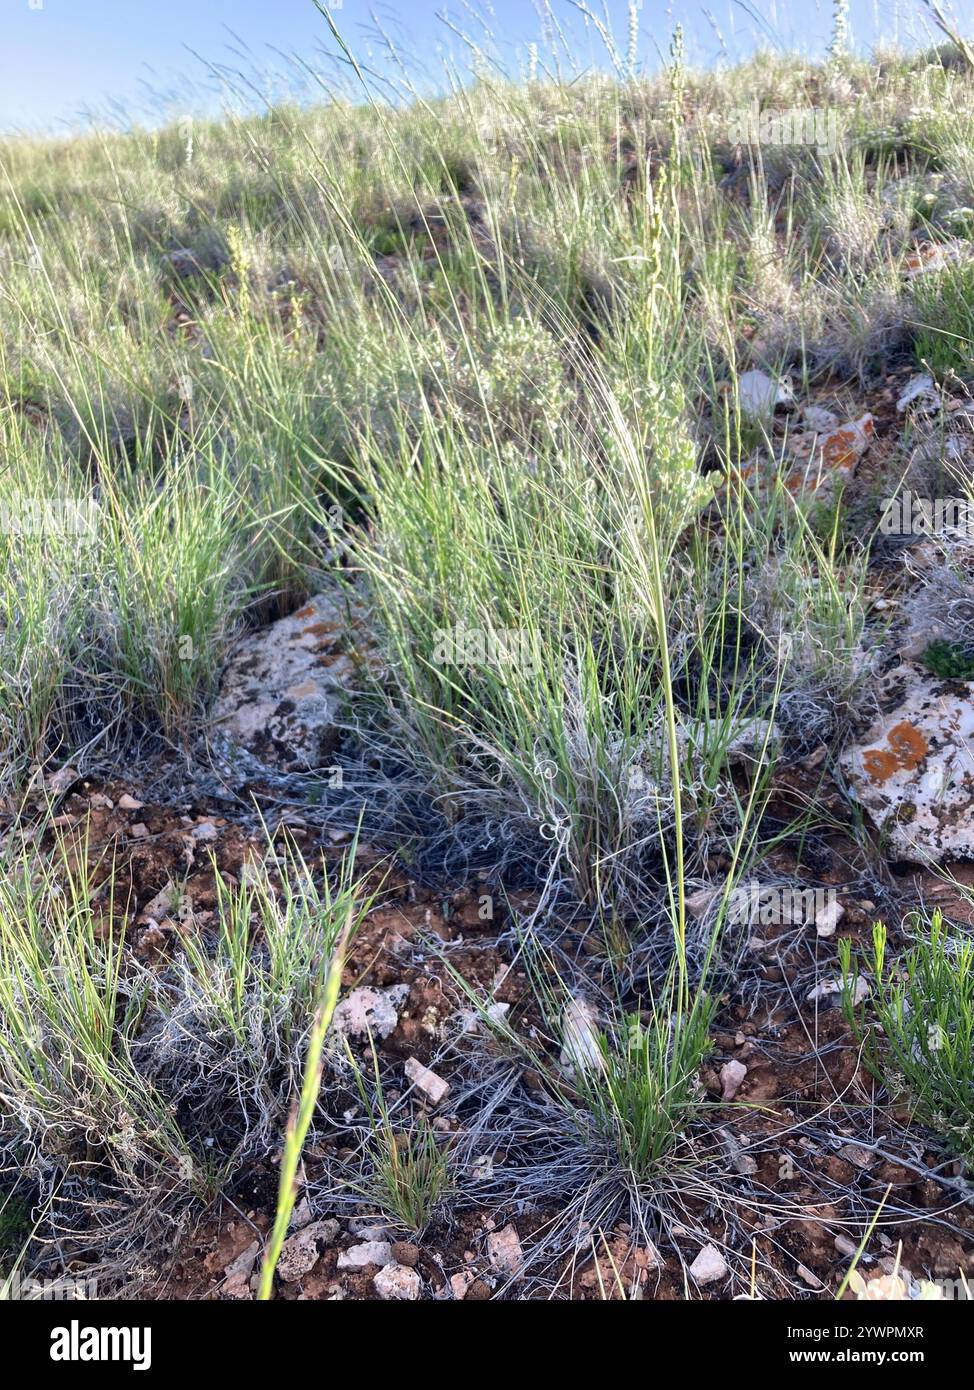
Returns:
(145, 1339)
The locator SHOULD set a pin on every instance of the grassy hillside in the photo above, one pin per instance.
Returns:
(493, 370)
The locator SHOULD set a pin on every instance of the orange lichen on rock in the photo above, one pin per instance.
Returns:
(908, 744)
(322, 629)
(907, 749)
(879, 764)
(843, 446)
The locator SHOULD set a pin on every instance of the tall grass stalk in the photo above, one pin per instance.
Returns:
(300, 1120)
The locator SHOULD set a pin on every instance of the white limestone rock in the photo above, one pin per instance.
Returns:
(914, 770)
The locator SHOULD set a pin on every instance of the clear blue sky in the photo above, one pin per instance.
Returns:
(63, 60)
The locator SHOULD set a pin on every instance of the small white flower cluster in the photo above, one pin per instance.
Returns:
(520, 379)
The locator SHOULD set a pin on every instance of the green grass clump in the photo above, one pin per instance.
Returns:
(646, 1091)
(920, 1042)
(406, 1164)
(411, 1174)
(70, 1010)
(951, 660)
(159, 1080)
(944, 306)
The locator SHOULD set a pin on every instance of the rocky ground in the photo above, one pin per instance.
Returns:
(774, 1188)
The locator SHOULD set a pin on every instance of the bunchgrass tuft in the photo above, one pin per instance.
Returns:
(918, 1026)
(407, 1164)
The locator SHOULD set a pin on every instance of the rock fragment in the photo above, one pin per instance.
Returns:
(920, 393)
(504, 1252)
(368, 1252)
(283, 686)
(709, 1266)
(397, 1283)
(914, 770)
(828, 917)
(842, 447)
(406, 1252)
(238, 1275)
(461, 1282)
(831, 990)
(431, 1085)
(817, 418)
(580, 1038)
(732, 1075)
(300, 1252)
(368, 1011)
